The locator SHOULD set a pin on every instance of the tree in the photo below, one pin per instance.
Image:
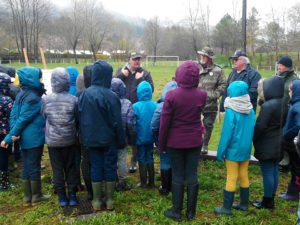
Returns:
(293, 37)
(274, 36)
(152, 37)
(252, 29)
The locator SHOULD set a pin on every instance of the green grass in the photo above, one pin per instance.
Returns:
(146, 206)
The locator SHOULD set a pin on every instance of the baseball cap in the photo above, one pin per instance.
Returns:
(237, 54)
(135, 55)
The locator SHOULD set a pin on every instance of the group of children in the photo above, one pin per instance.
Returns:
(98, 117)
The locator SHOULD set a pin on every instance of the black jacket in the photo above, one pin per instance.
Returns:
(132, 83)
(268, 128)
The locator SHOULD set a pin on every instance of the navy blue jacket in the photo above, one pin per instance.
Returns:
(292, 124)
(248, 75)
(100, 111)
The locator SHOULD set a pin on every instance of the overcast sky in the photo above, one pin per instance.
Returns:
(176, 10)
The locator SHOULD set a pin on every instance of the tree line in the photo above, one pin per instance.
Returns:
(87, 25)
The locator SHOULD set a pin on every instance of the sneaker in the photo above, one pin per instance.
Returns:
(204, 150)
(73, 199)
(288, 197)
(63, 200)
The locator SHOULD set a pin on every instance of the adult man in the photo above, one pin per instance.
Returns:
(132, 74)
(213, 81)
(244, 72)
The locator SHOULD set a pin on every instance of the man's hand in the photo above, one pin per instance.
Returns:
(15, 138)
(125, 72)
(4, 144)
(138, 75)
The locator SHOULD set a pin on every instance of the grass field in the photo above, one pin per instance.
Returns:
(146, 206)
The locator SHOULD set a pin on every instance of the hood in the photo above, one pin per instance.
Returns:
(10, 71)
(102, 74)
(187, 75)
(29, 77)
(80, 83)
(73, 74)
(60, 81)
(169, 86)
(118, 86)
(273, 87)
(5, 81)
(144, 91)
(87, 75)
(296, 91)
(237, 88)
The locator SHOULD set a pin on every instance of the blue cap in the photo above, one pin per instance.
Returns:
(237, 54)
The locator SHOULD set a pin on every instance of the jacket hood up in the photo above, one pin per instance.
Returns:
(102, 74)
(29, 77)
(169, 86)
(296, 91)
(187, 75)
(118, 86)
(144, 91)
(273, 87)
(237, 88)
(60, 80)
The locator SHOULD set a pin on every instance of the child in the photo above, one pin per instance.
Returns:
(6, 104)
(73, 74)
(128, 121)
(27, 125)
(180, 134)
(101, 132)
(59, 110)
(267, 137)
(290, 131)
(165, 165)
(143, 111)
(236, 143)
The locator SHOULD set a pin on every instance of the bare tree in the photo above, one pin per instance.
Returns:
(253, 29)
(152, 36)
(97, 25)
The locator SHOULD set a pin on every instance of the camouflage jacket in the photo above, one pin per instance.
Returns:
(213, 81)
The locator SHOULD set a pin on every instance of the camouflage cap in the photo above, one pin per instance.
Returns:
(135, 55)
(207, 51)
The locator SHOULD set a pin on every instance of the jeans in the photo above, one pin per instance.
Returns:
(122, 168)
(269, 171)
(145, 154)
(103, 163)
(165, 161)
(184, 163)
(31, 159)
(133, 156)
(63, 166)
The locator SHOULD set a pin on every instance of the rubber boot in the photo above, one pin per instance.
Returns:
(164, 188)
(227, 204)
(150, 170)
(110, 189)
(73, 201)
(244, 199)
(143, 175)
(266, 203)
(36, 190)
(27, 192)
(97, 196)
(192, 197)
(177, 201)
(62, 199)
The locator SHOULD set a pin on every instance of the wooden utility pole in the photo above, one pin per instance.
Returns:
(244, 23)
(25, 56)
(43, 58)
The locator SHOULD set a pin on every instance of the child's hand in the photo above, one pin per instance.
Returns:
(4, 144)
(15, 138)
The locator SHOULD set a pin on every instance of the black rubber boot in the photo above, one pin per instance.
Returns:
(177, 200)
(164, 189)
(143, 175)
(27, 192)
(151, 174)
(192, 197)
(36, 190)
(227, 204)
(244, 199)
(266, 203)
